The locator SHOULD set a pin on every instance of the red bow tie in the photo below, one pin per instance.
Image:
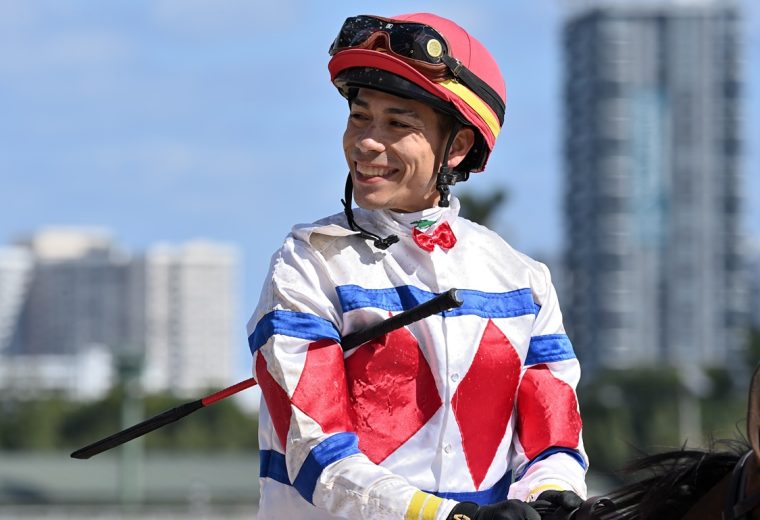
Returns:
(442, 236)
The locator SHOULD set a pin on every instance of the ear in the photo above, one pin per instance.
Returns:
(463, 141)
(753, 414)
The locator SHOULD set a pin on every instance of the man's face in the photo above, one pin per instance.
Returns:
(393, 147)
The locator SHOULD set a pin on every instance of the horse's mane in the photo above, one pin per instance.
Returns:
(667, 484)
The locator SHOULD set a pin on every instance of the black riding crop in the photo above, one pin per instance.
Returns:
(440, 303)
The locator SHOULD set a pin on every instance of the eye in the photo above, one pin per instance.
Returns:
(400, 124)
(357, 116)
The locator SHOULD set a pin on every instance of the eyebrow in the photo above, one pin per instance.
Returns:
(390, 110)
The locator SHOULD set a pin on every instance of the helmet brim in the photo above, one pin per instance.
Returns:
(377, 79)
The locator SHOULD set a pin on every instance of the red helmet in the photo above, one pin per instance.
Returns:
(428, 58)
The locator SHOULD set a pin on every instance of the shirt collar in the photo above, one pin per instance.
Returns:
(405, 222)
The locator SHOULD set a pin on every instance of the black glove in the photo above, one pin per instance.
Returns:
(507, 510)
(557, 505)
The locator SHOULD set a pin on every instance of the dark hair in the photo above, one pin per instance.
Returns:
(445, 122)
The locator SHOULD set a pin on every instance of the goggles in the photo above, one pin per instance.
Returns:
(420, 45)
(408, 40)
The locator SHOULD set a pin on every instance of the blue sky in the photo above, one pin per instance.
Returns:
(167, 120)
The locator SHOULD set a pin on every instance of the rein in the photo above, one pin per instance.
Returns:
(592, 507)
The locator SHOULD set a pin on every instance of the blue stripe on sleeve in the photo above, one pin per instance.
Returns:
(552, 451)
(290, 323)
(332, 449)
(486, 305)
(272, 465)
(552, 347)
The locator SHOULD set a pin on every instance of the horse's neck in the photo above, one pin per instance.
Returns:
(712, 503)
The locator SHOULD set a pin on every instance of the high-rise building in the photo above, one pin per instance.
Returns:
(652, 196)
(62, 313)
(76, 297)
(753, 281)
(184, 312)
(75, 309)
(16, 266)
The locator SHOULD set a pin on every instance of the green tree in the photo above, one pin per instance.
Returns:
(33, 425)
(56, 424)
(625, 411)
(630, 412)
(753, 347)
(482, 208)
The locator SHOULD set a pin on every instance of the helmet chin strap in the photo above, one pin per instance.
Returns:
(380, 243)
(446, 175)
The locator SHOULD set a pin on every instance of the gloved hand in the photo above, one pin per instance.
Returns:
(507, 510)
(556, 505)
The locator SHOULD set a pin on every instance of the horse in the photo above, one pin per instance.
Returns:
(720, 483)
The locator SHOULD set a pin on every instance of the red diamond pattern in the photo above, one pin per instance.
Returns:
(277, 400)
(548, 410)
(392, 392)
(321, 392)
(483, 401)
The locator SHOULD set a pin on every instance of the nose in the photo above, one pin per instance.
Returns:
(369, 140)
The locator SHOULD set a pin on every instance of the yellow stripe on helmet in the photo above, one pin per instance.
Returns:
(475, 103)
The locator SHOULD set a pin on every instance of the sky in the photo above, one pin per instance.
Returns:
(170, 120)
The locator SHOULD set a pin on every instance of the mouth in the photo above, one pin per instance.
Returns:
(372, 173)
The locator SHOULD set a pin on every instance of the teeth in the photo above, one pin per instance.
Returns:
(373, 171)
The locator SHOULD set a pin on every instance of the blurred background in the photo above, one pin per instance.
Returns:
(153, 155)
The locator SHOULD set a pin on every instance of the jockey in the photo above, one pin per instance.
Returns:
(468, 414)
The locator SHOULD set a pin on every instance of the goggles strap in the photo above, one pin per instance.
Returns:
(477, 85)
(446, 175)
(380, 243)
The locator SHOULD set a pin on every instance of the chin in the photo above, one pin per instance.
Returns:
(369, 203)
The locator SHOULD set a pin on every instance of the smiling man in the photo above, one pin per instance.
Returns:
(468, 414)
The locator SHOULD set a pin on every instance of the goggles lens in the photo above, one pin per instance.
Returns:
(414, 41)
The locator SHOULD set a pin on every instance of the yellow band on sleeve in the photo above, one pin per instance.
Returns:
(422, 507)
(431, 507)
(533, 495)
(415, 506)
